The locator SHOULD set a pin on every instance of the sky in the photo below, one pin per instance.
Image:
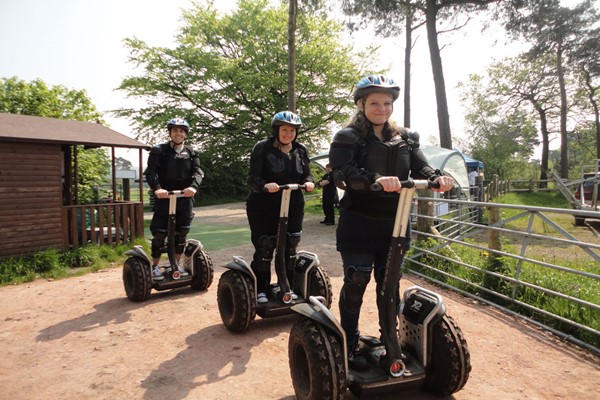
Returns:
(79, 44)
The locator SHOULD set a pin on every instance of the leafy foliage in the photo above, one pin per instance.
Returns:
(36, 98)
(228, 76)
(503, 138)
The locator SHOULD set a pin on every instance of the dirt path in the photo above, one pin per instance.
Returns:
(80, 338)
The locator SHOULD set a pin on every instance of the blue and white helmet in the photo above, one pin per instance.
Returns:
(376, 84)
(286, 118)
(178, 122)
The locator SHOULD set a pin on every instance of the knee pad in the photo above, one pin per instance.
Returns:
(180, 237)
(355, 283)
(158, 242)
(266, 247)
(291, 244)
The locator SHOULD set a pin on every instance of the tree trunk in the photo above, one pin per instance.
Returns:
(438, 76)
(545, 146)
(564, 158)
(293, 12)
(407, 70)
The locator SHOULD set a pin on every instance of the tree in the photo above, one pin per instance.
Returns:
(309, 6)
(386, 12)
(529, 85)
(229, 81)
(123, 164)
(384, 15)
(556, 30)
(587, 69)
(36, 98)
(502, 137)
(293, 15)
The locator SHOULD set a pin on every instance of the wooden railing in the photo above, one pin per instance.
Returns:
(110, 223)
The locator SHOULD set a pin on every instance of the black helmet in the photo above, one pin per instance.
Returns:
(376, 84)
(179, 122)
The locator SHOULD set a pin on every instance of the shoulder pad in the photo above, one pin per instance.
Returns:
(301, 147)
(193, 152)
(158, 149)
(260, 146)
(346, 136)
(412, 137)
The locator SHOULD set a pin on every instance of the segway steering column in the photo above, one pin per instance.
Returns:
(173, 195)
(388, 297)
(280, 265)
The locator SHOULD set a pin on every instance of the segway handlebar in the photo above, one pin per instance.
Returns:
(410, 183)
(290, 186)
(177, 193)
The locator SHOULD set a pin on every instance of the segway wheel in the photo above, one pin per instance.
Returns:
(136, 279)
(203, 271)
(235, 297)
(319, 284)
(316, 361)
(450, 359)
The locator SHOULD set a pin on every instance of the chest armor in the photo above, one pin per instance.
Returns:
(386, 158)
(281, 168)
(176, 166)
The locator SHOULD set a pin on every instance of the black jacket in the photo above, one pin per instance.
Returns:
(357, 162)
(170, 170)
(269, 164)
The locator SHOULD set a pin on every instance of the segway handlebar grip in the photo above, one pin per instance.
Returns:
(177, 193)
(290, 186)
(410, 183)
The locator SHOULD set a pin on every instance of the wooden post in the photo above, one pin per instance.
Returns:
(424, 207)
(494, 263)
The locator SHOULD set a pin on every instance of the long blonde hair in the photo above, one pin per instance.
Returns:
(360, 122)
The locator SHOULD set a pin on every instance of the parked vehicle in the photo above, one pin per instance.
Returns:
(590, 180)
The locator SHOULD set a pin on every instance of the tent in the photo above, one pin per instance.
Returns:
(451, 162)
(472, 163)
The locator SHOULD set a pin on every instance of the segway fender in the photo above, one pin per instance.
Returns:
(420, 310)
(138, 251)
(318, 312)
(306, 261)
(192, 246)
(239, 264)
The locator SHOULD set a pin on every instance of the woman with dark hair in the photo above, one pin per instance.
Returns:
(277, 160)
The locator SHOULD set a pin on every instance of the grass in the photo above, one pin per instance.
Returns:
(216, 236)
(54, 264)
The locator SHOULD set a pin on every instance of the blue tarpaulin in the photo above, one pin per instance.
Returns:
(471, 162)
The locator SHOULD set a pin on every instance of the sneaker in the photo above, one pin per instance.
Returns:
(329, 223)
(277, 289)
(157, 274)
(262, 298)
(182, 271)
(356, 357)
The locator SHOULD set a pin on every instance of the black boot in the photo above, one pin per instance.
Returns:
(356, 357)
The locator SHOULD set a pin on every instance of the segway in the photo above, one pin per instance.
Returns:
(236, 292)
(429, 350)
(137, 269)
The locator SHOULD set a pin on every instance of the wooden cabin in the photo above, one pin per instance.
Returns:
(38, 208)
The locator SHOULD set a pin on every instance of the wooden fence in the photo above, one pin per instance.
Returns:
(110, 223)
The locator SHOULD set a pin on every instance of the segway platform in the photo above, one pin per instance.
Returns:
(375, 380)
